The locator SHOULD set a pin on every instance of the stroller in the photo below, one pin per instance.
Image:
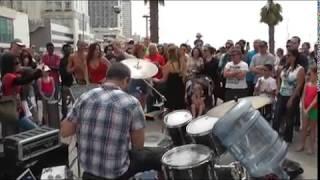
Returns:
(207, 85)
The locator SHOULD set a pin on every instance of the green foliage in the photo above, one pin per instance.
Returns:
(271, 13)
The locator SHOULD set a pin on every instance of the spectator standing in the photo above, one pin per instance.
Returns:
(290, 83)
(310, 110)
(235, 74)
(66, 80)
(97, 64)
(260, 59)
(52, 60)
(250, 75)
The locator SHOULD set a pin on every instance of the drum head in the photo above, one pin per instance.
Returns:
(177, 118)
(201, 126)
(186, 156)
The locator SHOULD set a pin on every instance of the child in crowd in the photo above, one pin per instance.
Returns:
(266, 86)
(310, 110)
(46, 87)
(197, 100)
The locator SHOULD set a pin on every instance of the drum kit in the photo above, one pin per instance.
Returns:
(195, 146)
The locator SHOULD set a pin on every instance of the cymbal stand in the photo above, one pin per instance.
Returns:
(163, 110)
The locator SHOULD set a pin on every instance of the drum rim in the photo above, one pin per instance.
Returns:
(202, 133)
(172, 150)
(179, 125)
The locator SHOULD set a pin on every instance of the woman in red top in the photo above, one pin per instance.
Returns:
(97, 64)
(11, 86)
(46, 85)
(310, 110)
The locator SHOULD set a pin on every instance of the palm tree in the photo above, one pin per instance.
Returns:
(271, 15)
(154, 18)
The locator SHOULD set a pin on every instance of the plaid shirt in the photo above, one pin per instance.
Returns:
(105, 117)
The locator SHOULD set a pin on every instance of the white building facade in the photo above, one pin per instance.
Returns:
(72, 14)
(13, 24)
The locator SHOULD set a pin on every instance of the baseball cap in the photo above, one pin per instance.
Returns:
(18, 42)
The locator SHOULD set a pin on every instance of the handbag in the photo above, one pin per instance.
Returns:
(8, 108)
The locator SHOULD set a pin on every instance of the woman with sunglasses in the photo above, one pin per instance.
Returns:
(11, 86)
(290, 84)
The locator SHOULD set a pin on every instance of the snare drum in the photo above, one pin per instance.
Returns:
(192, 161)
(176, 123)
(200, 131)
(157, 140)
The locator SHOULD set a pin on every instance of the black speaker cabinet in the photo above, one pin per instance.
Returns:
(11, 169)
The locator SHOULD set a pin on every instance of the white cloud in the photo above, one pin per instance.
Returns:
(218, 21)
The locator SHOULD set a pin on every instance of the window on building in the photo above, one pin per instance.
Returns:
(58, 5)
(6, 30)
(67, 5)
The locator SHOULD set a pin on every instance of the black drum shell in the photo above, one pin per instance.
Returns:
(179, 135)
(200, 172)
(210, 141)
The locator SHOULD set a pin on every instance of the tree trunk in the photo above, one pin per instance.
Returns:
(271, 39)
(154, 21)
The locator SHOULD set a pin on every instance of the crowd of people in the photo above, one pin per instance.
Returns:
(192, 78)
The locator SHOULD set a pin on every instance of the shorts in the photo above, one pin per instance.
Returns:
(313, 114)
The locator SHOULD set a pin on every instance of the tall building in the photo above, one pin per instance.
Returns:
(110, 19)
(127, 18)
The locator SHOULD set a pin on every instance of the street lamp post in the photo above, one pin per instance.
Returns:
(147, 26)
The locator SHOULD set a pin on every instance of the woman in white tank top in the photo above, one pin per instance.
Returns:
(290, 84)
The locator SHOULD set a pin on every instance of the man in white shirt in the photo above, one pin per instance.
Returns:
(235, 74)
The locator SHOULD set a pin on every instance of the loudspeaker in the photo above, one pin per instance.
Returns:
(10, 169)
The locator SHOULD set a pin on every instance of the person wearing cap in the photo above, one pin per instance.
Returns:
(52, 60)
(46, 85)
(16, 47)
(235, 74)
(12, 80)
(198, 42)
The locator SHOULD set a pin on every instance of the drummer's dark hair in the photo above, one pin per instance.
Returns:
(118, 71)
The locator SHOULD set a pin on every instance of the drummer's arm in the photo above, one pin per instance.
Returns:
(137, 127)
(137, 139)
(68, 126)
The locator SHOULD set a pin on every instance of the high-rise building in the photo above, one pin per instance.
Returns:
(110, 19)
(127, 18)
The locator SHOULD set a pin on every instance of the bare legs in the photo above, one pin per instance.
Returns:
(313, 127)
(197, 111)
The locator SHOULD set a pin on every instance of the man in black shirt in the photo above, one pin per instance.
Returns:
(66, 79)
